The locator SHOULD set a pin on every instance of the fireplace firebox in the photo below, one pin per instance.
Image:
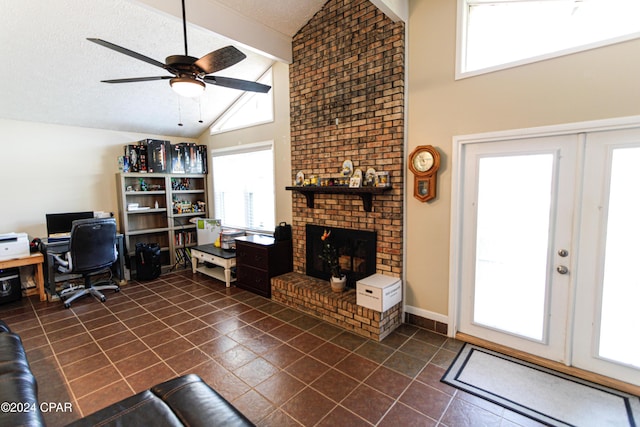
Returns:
(356, 252)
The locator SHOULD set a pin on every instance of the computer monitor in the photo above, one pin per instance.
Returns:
(60, 223)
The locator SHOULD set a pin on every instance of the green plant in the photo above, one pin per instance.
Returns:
(330, 255)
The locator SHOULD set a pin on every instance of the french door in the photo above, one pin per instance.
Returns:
(608, 278)
(548, 230)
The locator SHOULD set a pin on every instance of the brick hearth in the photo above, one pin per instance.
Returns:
(315, 297)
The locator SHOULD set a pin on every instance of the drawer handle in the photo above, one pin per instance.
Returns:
(368, 291)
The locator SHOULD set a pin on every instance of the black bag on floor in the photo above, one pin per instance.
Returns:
(147, 261)
(282, 232)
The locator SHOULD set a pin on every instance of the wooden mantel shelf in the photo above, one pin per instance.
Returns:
(365, 193)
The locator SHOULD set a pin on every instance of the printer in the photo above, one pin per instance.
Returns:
(13, 245)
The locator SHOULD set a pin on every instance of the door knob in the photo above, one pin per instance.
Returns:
(562, 269)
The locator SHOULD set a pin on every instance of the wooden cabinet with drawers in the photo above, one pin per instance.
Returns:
(258, 259)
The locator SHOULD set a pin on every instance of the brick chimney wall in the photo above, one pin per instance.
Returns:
(347, 102)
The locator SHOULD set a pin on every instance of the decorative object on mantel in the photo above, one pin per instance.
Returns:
(345, 179)
(382, 179)
(329, 255)
(347, 168)
(370, 178)
(356, 180)
(424, 162)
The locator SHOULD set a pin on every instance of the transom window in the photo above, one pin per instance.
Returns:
(498, 34)
(250, 109)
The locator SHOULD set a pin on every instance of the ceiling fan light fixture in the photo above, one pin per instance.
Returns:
(187, 87)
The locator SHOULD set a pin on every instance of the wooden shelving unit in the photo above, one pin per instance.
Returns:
(365, 193)
(162, 225)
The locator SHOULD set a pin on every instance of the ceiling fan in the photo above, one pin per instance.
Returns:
(190, 74)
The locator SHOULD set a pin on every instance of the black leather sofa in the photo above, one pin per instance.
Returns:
(18, 387)
(185, 400)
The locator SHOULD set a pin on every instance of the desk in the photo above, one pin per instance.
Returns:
(61, 246)
(34, 259)
(216, 256)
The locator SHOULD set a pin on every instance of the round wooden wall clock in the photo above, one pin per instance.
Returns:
(424, 162)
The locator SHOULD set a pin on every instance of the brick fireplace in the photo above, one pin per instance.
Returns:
(347, 103)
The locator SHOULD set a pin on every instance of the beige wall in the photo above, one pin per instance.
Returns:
(52, 168)
(278, 132)
(597, 84)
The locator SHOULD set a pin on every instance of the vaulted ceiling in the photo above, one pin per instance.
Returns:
(52, 74)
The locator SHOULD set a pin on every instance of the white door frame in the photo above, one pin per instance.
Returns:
(457, 161)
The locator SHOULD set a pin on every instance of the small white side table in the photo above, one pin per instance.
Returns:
(217, 257)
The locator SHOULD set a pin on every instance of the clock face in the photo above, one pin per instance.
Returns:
(423, 161)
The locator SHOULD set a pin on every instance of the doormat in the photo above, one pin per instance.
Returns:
(545, 395)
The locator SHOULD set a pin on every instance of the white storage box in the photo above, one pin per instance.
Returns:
(13, 246)
(208, 230)
(379, 292)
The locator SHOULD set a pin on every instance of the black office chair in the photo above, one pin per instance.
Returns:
(92, 249)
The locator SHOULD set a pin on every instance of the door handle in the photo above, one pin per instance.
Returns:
(562, 269)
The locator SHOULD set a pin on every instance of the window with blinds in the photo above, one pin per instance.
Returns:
(243, 186)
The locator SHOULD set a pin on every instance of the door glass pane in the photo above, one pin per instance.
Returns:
(621, 285)
(514, 207)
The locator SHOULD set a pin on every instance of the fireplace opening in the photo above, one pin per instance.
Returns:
(356, 252)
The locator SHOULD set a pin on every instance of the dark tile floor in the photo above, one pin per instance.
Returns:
(278, 366)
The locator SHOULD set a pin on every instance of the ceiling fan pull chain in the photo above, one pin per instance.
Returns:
(179, 113)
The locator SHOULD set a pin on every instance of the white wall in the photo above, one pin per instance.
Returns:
(51, 168)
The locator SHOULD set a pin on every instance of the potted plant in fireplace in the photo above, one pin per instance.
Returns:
(330, 257)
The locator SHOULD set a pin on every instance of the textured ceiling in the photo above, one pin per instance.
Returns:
(52, 73)
(285, 16)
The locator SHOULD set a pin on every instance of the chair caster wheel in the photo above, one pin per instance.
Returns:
(67, 305)
(103, 299)
(117, 289)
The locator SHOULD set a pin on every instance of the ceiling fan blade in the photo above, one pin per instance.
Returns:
(128, 52)
(237, 84)
(137, 79)
(219, 59)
